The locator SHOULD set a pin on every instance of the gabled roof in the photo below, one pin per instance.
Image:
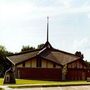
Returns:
(59, 56)
(47, 52)
(20, 57)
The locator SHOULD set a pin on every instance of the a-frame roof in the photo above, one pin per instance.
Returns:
(47, 52)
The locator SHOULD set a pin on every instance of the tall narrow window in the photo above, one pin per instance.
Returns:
(39, 63)
(30, 63)
(54, 65)
(18, 73)
(24, 64)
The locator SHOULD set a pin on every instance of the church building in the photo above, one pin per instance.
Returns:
(49, 63)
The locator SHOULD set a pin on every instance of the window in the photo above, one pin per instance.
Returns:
(69, 66)
(30, 63)
(18, 73)
(78, 64)
(39, 63)
(24, 64)
(54, 65)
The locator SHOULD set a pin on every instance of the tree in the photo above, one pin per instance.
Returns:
(40, 46)
(4, 51)
(26, 48)
(7, 53)
(78, 53)
(4, 63)
(2, 48)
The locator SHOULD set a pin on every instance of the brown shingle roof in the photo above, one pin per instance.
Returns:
(58, 56)
(46, 52)
(17, 58)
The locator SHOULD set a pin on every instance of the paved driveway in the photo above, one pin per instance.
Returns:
(58, 88)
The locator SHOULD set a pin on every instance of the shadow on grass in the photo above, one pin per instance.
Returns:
(1, 89)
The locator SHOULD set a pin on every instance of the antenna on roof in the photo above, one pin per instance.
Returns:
(47, 28)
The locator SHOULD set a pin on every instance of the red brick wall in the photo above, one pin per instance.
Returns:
(40, 73)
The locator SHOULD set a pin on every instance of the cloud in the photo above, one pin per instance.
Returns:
(33, 10)
(62, 3)
(82, 44)
(88, 15)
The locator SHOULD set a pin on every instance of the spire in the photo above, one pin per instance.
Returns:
(47, 28)
(47, 44)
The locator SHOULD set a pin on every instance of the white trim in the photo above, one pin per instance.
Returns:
(10, 60)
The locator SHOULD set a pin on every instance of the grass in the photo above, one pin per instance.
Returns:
(22, 83)
(1, 81)
(1, 89)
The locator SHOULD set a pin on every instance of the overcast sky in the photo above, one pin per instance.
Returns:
(23, 22)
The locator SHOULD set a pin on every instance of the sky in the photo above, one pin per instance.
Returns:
(23, 22)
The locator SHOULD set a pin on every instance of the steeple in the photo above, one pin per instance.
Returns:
(47, 28)
(47, 44)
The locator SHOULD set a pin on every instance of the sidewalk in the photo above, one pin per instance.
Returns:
(44, 85)
(51, 88)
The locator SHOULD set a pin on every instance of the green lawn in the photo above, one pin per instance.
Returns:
(1, 81)
(1, 89)
(31, 83)
(22, 81)
(28, 83)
